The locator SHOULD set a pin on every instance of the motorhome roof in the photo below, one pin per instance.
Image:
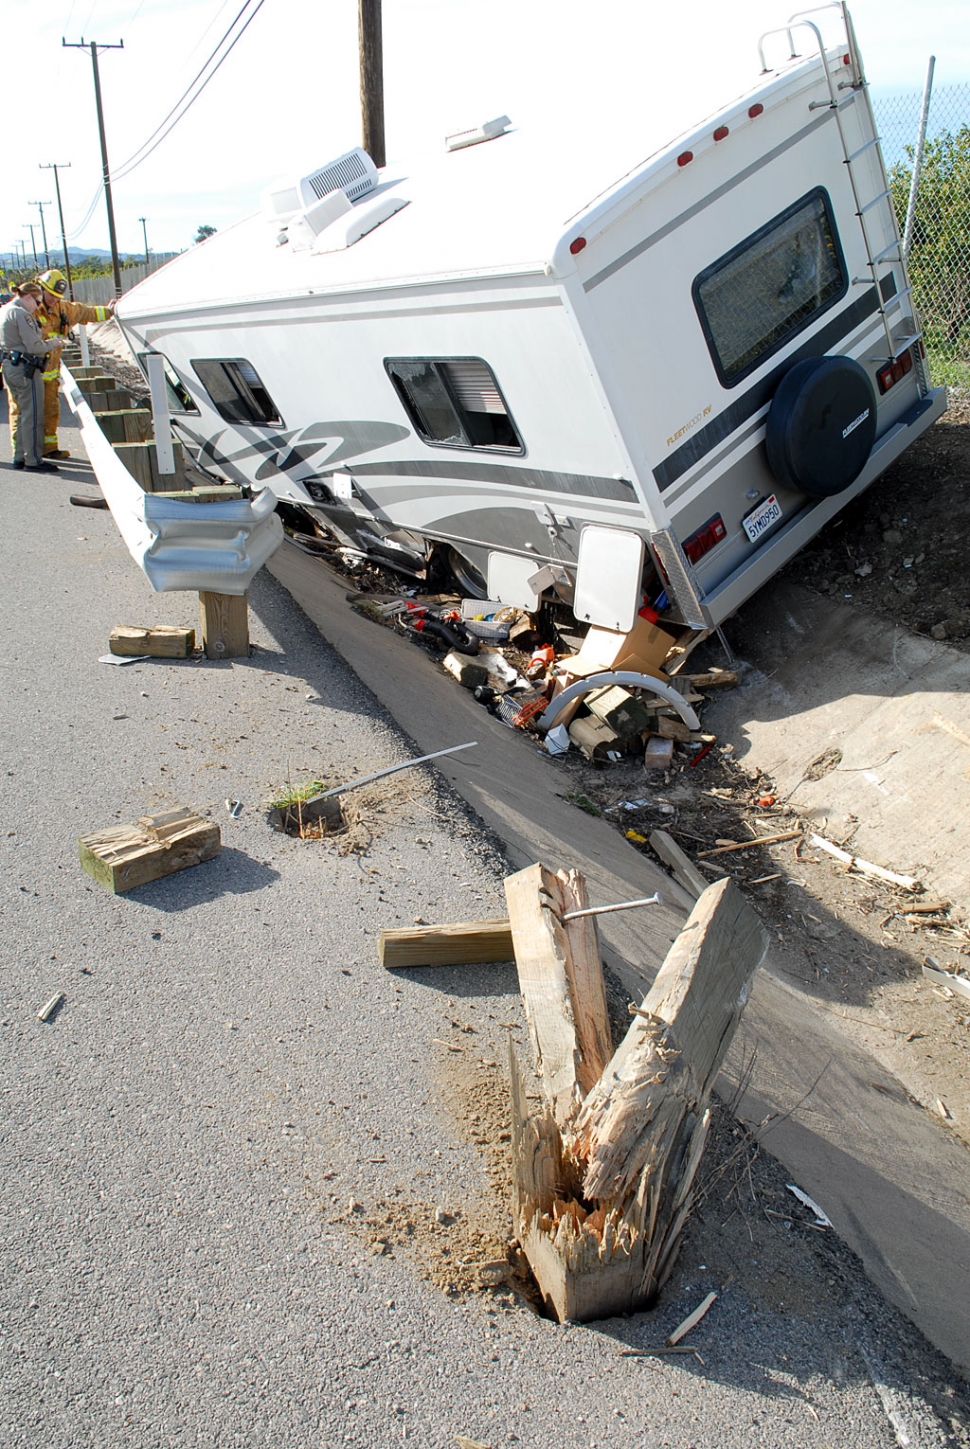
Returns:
(499, 207)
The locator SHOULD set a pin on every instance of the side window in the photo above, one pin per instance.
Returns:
(759, 295)
(454, 402)
(180, 400)
(236, 390)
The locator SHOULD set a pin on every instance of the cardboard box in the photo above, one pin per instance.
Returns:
(643, 650)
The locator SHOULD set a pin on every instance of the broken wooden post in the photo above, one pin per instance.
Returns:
(561, 980)
(224, 624)
(602, 1191)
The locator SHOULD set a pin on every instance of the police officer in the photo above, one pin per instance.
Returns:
(58, 314)
(24, 352)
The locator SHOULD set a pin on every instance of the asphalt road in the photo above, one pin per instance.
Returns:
(230, 1067)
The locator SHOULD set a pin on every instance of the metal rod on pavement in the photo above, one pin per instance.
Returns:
(379, 774)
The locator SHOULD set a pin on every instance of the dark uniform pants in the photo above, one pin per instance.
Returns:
(25, 396)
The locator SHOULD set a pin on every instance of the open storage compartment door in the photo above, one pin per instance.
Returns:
(609, 576)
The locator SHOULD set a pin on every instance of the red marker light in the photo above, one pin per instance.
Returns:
(846, 60)
(706, 538)
(577, 244)
(889, 375)
(720, 133)
(685, 158)
(755, 110)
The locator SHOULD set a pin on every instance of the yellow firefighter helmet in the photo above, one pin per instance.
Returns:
(54, 282)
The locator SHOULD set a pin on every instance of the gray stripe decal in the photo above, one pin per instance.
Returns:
(724, 453)
(497, 473)
(699, 206)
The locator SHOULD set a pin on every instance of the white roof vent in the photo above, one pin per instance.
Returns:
(353, 173)
(487, 132)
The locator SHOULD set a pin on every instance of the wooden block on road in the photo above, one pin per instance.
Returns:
(126, 856)
(468, 944)
(163, 641)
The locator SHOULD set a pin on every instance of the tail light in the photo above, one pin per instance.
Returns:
(889, 375)
(705, 538)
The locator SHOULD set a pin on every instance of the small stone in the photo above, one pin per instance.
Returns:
(440, 1216)
(939, 631)
(892, 535)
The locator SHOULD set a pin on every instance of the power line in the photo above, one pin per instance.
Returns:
(88, 214)
(142, 153)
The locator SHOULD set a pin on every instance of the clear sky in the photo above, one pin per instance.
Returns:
(286, 99)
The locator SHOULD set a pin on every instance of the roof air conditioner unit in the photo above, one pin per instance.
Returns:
(353, 173)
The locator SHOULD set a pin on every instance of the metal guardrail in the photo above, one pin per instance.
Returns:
(217, 547)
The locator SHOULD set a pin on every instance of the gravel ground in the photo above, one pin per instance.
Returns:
(240, 1183)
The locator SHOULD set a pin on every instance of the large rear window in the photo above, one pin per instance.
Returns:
(759, 295)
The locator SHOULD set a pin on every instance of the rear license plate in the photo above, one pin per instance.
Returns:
(761, 518)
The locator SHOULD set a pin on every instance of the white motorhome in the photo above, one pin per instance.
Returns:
(659, 384)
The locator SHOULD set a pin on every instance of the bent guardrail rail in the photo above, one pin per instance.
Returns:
(217, 547)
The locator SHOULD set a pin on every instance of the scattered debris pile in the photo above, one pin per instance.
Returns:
(604, 694)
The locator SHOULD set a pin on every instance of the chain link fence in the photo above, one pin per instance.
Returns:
(939, 257)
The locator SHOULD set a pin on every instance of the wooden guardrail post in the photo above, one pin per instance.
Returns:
(224, 624)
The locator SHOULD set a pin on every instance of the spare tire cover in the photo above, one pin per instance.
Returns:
(821, 425)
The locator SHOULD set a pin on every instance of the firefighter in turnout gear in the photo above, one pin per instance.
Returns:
(58, 314)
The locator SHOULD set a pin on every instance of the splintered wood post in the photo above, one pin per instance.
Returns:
(224, 620)
(606, 1241)
(561, 980)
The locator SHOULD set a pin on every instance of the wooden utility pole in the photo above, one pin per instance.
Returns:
(64, 166)
(94, 47)
(43, 230)
(371, 79)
